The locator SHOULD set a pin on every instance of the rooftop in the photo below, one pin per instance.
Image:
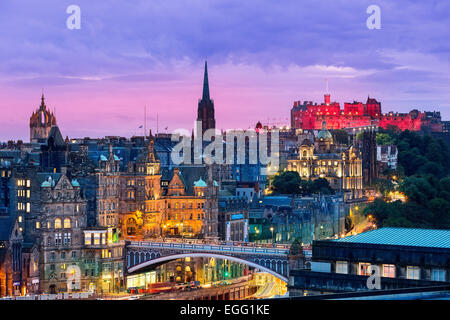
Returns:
(433, 238)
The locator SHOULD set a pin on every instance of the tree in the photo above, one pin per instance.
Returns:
(349, 225)
(340, 136)
(384, 139)
(287, 182)
(383, 186)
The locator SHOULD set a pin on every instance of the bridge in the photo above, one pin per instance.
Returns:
(144, 254)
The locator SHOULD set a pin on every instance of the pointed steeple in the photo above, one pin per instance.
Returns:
(205, 96)
(42, 106)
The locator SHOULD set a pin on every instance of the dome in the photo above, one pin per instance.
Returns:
(46, 184)
(200, 183)
(75, 183)
(307, 142)
(324, 134)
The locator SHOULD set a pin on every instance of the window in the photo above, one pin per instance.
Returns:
(63, 255)
(96, 238)
(342, 267)
(87, 238)
(413, 272)
(58, 239)
(58, 223)
(67, 223)
(74, 254)
(438, 275)
(67, 239)
(388, 271)
(38, 225)
(363, 269)
(28, 209)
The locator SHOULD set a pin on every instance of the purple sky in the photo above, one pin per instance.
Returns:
(262, 55)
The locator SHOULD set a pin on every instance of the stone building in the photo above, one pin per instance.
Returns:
(322, 159)
(41, 122)
(61, 222)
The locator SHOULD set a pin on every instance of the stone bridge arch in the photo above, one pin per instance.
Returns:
(162, 259)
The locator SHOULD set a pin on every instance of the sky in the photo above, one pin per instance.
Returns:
(262, 56)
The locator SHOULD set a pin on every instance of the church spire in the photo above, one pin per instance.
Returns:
(42, 106)
(205, 95)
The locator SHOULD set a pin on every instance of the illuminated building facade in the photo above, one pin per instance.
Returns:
(310, 116)
(322, 159)
(148, 210)
(61, 222)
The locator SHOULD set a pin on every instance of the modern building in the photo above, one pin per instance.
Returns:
(404, 258)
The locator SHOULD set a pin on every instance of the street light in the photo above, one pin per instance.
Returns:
(271, 229)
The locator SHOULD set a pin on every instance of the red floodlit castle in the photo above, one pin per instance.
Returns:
(309, 116)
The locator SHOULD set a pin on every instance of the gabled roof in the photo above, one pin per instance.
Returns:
(433, 238)
(56, 137)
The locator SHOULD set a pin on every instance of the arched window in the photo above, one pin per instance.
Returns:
(305, 153)
(67, 223)
(58, 223)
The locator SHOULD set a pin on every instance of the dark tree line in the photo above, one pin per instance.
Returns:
(424, 163)
(289, 182)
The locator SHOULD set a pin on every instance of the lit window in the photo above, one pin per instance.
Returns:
(342, 267)
(96, 238)
(363, 269)
(413, 272)
(28, 207)
(67, 224)
(87, 238)
(388, 270)
(20, 218)
(58, 223)
(38, 225)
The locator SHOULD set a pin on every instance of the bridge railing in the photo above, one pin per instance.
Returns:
(209, 247)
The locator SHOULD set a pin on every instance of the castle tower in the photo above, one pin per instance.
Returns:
(41, 121)
(205, 111)
(327, 95)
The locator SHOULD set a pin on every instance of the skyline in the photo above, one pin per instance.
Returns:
(104, 74)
